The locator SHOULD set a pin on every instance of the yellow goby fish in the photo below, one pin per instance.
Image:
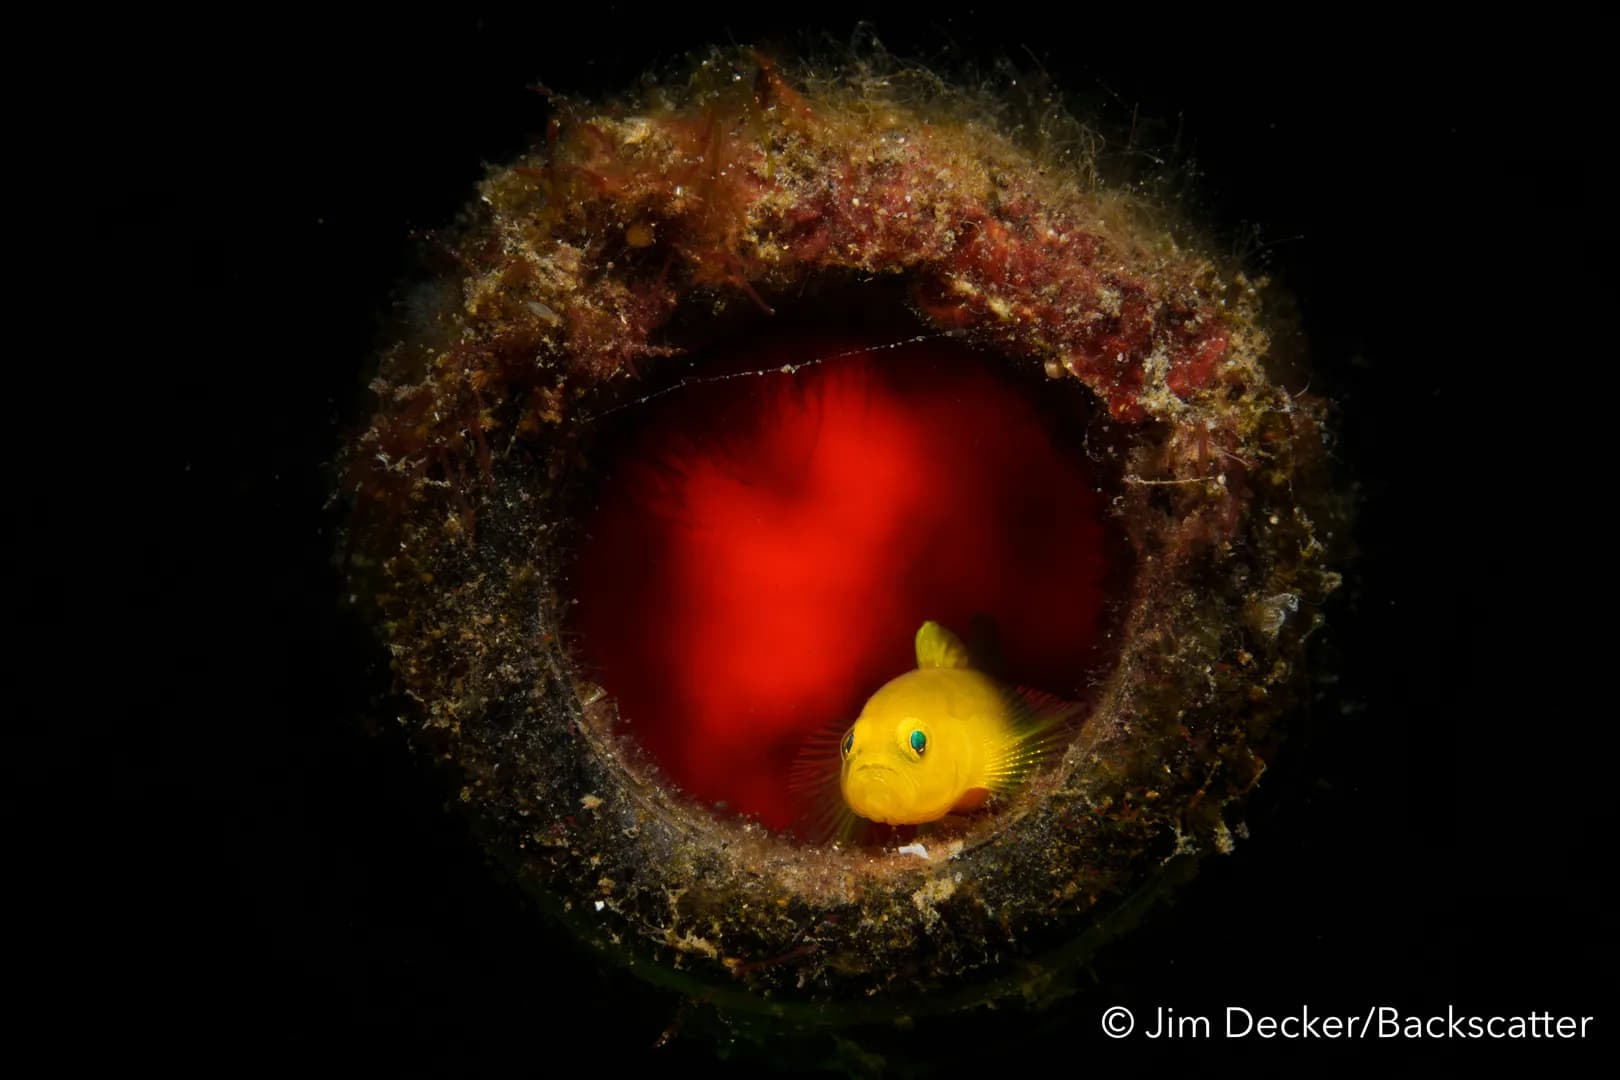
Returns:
(943, 738)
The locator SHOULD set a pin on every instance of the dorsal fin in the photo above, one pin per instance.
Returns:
(937, 647)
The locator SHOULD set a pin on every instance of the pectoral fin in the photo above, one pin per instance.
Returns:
(1040, 726)
(821, 814)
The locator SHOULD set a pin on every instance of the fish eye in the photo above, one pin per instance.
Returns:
(849, 741)
(919, 742)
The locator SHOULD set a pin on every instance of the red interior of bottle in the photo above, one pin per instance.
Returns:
(766, 546)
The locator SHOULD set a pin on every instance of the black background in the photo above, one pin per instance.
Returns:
(300, 893)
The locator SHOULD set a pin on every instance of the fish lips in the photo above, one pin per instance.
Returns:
(881, 793)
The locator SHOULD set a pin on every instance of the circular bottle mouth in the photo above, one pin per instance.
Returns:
(621, 568)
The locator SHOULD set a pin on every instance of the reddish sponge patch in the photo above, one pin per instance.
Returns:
(767, 546)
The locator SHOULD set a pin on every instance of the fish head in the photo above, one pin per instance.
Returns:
(906, 759)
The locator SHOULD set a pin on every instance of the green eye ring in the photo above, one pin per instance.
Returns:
(849, 742)
(919, 742)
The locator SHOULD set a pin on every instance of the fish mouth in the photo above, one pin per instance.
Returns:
(880, 793)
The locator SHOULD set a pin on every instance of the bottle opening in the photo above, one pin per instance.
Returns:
(771, 533)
